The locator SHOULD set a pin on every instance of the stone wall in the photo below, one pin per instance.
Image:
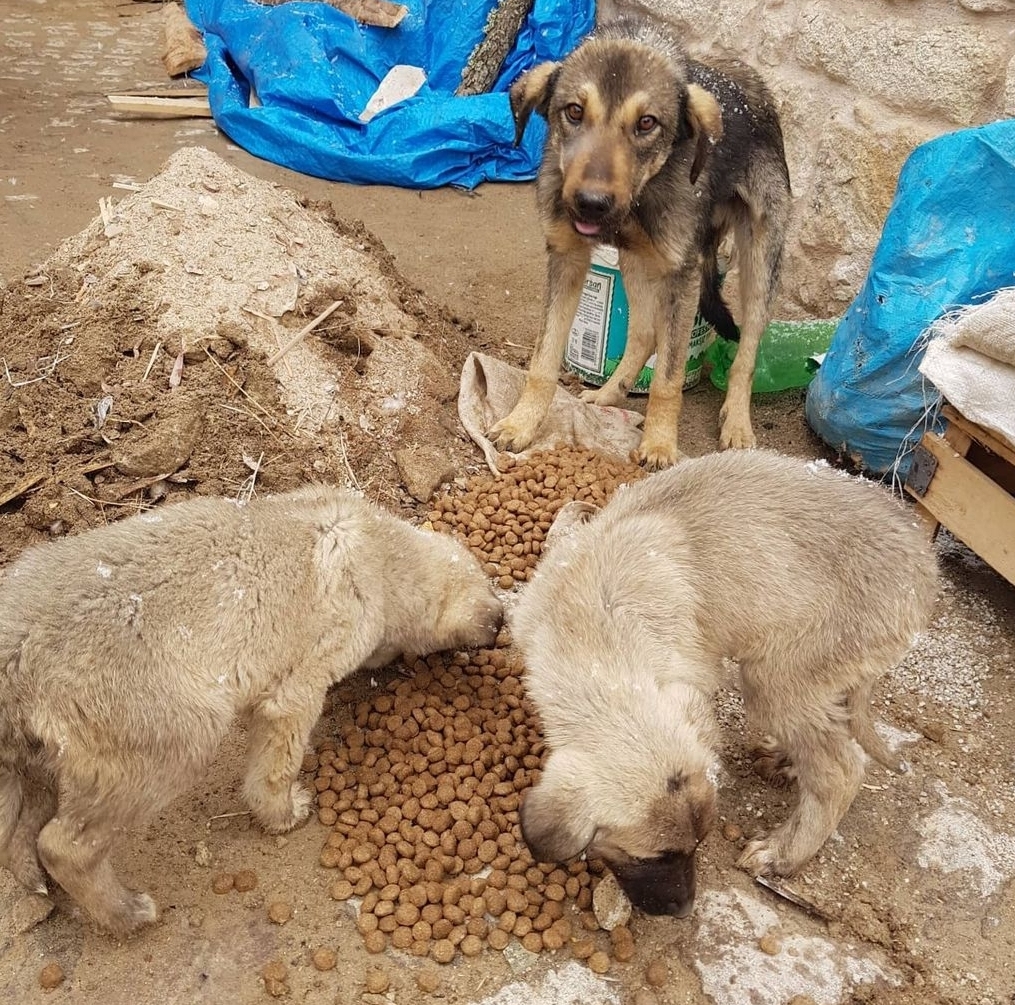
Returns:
(859, 86)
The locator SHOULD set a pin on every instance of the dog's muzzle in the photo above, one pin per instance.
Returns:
(663, 885)
(590, 210)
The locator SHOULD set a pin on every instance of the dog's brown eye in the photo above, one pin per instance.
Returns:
(573, 113)
(647, 123)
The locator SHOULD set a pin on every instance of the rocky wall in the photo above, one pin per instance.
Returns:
(859, 85)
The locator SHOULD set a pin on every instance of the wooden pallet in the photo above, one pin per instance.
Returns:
(964, 480)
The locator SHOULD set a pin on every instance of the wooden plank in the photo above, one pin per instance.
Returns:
(161, 108)
(990, 440)
(973, 508)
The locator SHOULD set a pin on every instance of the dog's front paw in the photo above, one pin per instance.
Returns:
(735, 432)
(514, 432)
(655, 455)
(759, 858)
(605, 396)
(279, 817)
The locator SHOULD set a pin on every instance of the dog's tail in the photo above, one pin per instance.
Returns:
(711, 305)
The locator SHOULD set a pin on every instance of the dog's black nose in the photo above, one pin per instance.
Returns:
(593, 205)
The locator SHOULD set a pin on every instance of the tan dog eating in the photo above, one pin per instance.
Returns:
(126, 652)
(814, 582)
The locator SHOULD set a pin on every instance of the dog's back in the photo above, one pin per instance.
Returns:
(765, 548)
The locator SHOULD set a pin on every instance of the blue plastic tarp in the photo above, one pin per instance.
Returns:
(313, 69)
(948, 241)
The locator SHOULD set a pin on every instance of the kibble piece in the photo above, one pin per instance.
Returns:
(731, 831)
(533, 942)
(770, 944)
(377, 981)
(656, 974)
(407, 914)
(51, 976)
(375, 941)
(553, 939)
(245, 880)
(274, 975)
(222, 882)
(471, 945)
(443, 951)
(341, 890)
(428, 981)
(599, 962)
(498, 939)
(324, 958)
(623, 950)
(279, 912)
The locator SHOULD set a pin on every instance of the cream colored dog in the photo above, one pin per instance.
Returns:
(126, 653)
(815, 582)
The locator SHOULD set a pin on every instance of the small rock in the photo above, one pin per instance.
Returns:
(202, 854)
(610, 904)
(423, 470)
(933, 731)
(645, 997)
(30, 910)
(519, 958)
(162, 447)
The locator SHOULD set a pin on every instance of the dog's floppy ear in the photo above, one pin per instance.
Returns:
(554, 815)
(569, 516)
(531, 92)
(705, 120)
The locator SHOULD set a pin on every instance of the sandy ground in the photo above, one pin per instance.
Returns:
(910, 902)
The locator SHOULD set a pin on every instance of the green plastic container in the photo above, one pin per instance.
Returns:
(786, 356)
(599, 332)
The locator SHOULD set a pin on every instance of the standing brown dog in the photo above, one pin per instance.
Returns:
(814, 582)
(127, 651)
(661, 156)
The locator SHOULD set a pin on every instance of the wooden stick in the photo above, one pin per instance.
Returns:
(161, 108)
(303, 333)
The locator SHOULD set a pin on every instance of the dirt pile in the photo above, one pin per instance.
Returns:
(147, 357)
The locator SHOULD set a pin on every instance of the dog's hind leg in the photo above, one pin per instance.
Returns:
(565, 279)
(861, 724)
(815, 735)
(24, 808)
(759, 238)
(77, 857)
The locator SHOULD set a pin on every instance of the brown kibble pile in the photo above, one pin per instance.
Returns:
(422, 795)
(504, 519)
(423, 787)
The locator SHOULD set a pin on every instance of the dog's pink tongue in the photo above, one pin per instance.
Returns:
(588, 229)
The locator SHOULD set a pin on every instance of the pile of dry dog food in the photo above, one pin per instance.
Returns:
(504, 519)
(423, 787)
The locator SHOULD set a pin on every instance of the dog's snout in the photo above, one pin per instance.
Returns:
(593, 205)
(663, 885)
